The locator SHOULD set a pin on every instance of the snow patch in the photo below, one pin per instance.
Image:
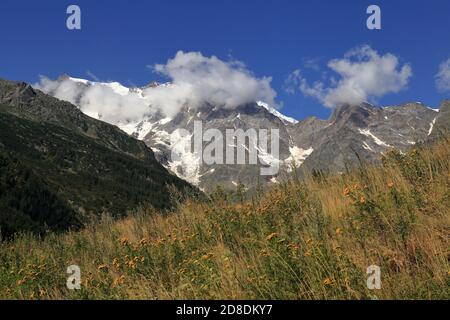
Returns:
(115, 86)
(267, 158)
(276, 113)
(378, 141)
(164, 121)
(435, 110)
(367, 147)
(297, 157)
(162, 138)
(432, 125)
(140, 129)
(83, 81)
(187, 164)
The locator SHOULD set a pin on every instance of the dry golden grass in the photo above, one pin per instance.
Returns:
(310, 239)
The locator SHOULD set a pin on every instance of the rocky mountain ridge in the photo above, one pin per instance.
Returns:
(352, 134)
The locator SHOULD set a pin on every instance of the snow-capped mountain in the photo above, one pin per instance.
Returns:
(352, 134)
(365, 132)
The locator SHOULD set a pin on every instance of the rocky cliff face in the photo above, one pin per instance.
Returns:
(352, 134)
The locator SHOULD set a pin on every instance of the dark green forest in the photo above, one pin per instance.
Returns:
(27, 202)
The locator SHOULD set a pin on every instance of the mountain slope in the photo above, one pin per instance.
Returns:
(440, 126)
(93, 167)
(309, 240)
(27, 203)
(364, 132)
(352, 134)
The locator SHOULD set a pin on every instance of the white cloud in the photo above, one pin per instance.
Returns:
(363, 74)
(64, 90)
(443, 77)
(292, 82)
(195, 80)
(105, 101)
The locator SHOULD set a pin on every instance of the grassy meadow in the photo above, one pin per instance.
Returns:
(303, 239)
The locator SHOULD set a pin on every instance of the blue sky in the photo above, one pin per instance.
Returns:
(273, 38)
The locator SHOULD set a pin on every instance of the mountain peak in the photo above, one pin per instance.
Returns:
(353, 113)
(16, 92)
(151, 84)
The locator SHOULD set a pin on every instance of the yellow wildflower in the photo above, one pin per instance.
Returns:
(116, 263)
(118, 281)
(271, 236)
(143, 241)
(124, 241)
(102, 267)
(346, 192)
(329, 282)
